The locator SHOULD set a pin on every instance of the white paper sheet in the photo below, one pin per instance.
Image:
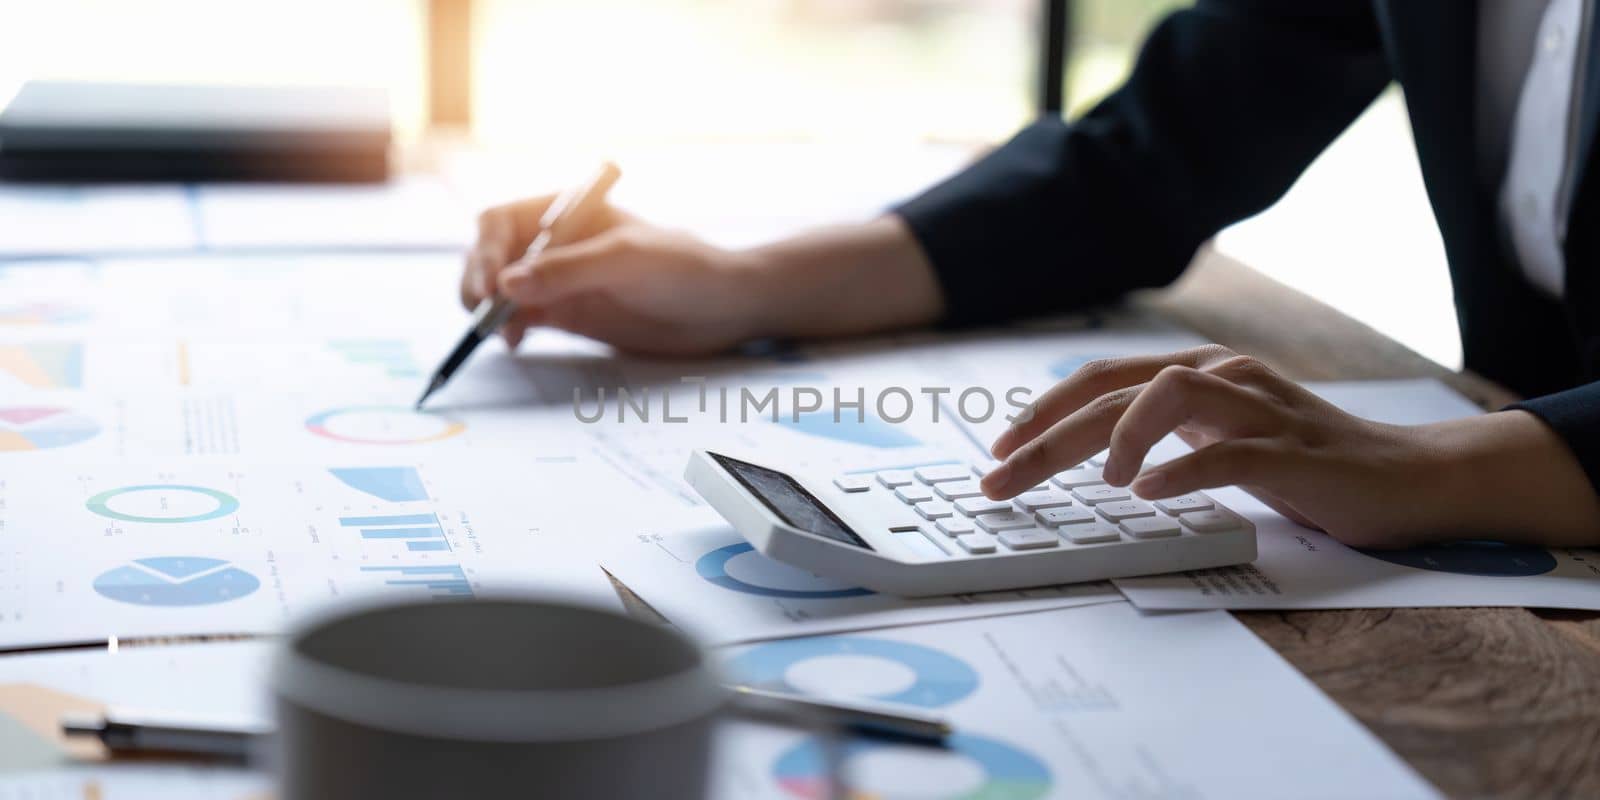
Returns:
(710, 582)
(263, 379)
(174, 547)
(225, 681)
(1298, 568)
(71, 220)
(1097, 702)
(135, 782)
(408, 212)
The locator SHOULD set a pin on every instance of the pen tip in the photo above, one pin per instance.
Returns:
(426, 393)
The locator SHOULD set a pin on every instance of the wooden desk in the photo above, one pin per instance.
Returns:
(1484, 702)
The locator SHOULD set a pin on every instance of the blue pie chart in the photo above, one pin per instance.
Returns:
(713, 567)
(175, 581)
(1483, 559)
(1008, 772)
(941, 679)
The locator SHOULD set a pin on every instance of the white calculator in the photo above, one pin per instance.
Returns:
(928, 530)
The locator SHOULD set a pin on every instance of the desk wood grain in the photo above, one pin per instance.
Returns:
(1483, 702)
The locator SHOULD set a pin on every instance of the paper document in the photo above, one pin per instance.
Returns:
(1298, 568)
(226, 680)
(214, 681)
(76, 220)
(204, 446)
(407, 212)
(712, 583)
(1096, 702)
(97, 550)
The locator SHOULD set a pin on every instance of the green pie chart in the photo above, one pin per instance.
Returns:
(162, 503)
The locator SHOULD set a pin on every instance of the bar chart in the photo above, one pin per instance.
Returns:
(443, 582)
(421, 533)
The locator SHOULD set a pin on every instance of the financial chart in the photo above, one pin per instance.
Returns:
(224, 549)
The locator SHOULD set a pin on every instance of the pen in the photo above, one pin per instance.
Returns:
(127, 732)
(139, 732)
(559, 224)
(860, 716)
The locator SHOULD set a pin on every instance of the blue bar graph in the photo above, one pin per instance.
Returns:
(434, 532)
(444, 581)
(423, 529)
(397, 519)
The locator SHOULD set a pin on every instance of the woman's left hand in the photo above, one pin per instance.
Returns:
(1367, 484)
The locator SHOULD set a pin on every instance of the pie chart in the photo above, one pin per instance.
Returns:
(882, 669)
(175, 581)
(41, 428)
(739, 568)
(1478, 558)
(968, 767)
(163, 502)
(382, 425)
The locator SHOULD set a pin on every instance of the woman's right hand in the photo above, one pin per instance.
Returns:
(645, 289)
(624, 281)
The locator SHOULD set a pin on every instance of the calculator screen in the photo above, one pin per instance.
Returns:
(790, 501)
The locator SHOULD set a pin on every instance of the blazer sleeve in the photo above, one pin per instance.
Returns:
(1227, 103)
(1575, 416)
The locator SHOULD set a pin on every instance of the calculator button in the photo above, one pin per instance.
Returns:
(1095, 495)
(975, 543)
(973, 506)
(915, 493)
(1052, 517)
(1151, 527)
(944, 472)
(934, 509)
(1209, 521)
(1185, 503)
(957, 490)
(1005, 521)
(1052, 498)
(894, 477)
(1029, 539)
(1091, 533)
(1082, 476)
(955, 526)
(938, 540)
(853, 483)
(1127, 509)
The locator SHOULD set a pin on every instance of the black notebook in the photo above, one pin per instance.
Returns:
(64, 131)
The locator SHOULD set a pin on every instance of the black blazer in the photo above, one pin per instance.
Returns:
(1227, 104)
